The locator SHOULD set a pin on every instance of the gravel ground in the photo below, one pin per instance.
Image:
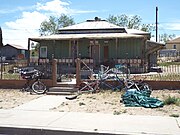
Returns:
(102, 102)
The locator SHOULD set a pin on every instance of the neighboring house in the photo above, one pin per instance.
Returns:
(11, 52)
(174, 44)
(100, 42)
(172, 48)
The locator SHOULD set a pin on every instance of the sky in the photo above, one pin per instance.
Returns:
(21, 19)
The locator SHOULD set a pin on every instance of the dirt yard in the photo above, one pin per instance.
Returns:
(102, 102)
(109, 102)
(10, 98)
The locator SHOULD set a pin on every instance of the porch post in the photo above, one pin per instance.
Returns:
(78, 72)
(54, 72)
(28, 53)
(116, 48)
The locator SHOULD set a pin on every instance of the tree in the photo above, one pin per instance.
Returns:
(165, 37)
(52, 25)
(131, 22)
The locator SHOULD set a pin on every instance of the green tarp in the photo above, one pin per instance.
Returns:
(135, 98)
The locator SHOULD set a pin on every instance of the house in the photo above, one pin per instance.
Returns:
(100, 42)
(173, 44)
(12, 51)
(173, 48)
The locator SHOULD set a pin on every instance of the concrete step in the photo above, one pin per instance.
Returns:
(65, 85)
(63, 89)
(59, 93)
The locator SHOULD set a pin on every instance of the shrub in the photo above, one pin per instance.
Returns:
(172, 100)
(174, 115)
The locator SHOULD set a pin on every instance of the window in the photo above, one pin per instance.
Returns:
(43, 52)
(174, 46)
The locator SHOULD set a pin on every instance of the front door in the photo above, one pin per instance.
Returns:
(106, 53)
(95, 54)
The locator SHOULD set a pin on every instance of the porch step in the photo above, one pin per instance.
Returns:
(65, 90)
(59, 93)
(65, 85)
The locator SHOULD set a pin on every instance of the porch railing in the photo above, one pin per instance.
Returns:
(9, 69)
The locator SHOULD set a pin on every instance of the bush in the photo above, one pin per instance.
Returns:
(174, 115)
(172, 100)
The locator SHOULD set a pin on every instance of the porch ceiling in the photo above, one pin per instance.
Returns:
(87, 36)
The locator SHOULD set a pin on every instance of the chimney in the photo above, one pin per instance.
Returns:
(97, 19)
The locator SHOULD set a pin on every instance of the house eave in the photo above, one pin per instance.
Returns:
(85, 36)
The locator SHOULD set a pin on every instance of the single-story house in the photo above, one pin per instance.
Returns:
(100, 42)
(12, 51)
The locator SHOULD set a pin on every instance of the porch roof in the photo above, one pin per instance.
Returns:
(153, 46)
(86, 36)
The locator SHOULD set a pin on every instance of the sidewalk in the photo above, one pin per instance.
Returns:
(32, 119)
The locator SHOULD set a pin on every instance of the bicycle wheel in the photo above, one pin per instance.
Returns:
(39, 87)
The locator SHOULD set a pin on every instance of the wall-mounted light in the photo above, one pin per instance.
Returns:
(91, 42)
(106, 41)
(32, 45)
(96, 42)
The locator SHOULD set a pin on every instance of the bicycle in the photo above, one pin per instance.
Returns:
(86, 87)
(138, 85)
(112, 74)
(33, 83)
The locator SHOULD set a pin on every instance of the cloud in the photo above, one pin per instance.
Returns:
(55, 6)
(6, 11)
(28, 24)
(173, 26)
(18, 31)
(28, 20)
(19, 37)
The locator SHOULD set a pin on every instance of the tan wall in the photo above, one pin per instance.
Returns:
(171, 46)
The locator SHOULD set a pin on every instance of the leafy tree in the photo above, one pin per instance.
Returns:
(51, 26)
(131, 22)
(166, 37)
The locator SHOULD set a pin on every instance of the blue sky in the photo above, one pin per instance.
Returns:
(21, 19)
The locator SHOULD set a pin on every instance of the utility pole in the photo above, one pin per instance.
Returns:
(156, 24)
